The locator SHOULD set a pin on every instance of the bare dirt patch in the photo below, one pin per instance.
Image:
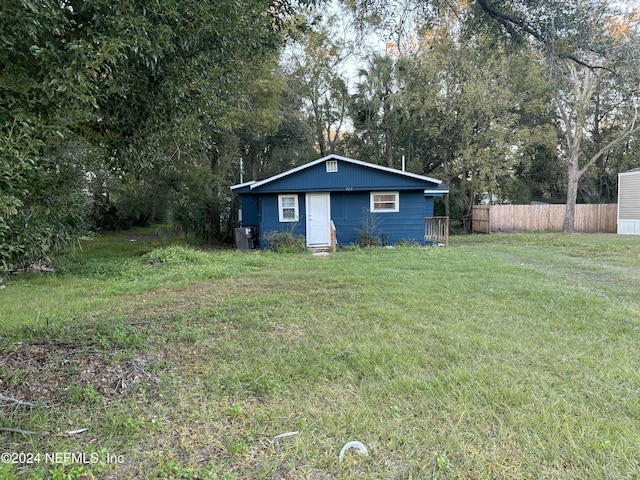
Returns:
(46, 372)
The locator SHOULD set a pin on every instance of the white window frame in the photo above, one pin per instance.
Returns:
(332, 166)
(281, 208)
(373, 209)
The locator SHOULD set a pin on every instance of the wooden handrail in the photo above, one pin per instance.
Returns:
(436, 229)
(333, 236)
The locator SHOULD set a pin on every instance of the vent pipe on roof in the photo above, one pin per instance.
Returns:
(403, 164)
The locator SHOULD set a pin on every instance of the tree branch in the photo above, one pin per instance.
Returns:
(566, 119)
(143, 371)
(610, 145)
(509, 21)
(512, 23)
(17, 430)
(13, 401)
(573, 58)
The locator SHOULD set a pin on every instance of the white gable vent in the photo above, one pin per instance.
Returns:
(332, 165)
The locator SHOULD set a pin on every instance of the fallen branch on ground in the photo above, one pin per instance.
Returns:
(278, 464)
(142, 370)
(9, 401)
(17, 430)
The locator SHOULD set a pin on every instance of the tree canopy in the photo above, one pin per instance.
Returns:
(120, 113)
(589, 51)
(114, 86)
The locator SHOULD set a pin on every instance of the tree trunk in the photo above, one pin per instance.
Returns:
(573, 115)
(211, 225)
(447, 204)
(388, 134)
(321, 142)
(388, 137)
(255, 168)
(572, 195)
(319, 126)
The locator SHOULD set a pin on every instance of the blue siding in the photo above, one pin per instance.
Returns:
(348, 210)
(349, 177)
(271, 219)
(350, 189)
(250, 214)
(428, 206)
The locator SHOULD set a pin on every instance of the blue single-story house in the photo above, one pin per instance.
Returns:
(308, 199)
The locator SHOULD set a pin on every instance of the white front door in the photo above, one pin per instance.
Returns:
(318, 219)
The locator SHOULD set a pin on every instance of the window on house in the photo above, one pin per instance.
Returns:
(332, 165)
(288, 208)
(385, 201)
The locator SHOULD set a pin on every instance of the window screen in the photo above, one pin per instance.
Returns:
(288, 208)
(384, 202)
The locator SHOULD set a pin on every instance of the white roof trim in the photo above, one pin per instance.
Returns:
(240, 185)
(348, 160)
(444, 190)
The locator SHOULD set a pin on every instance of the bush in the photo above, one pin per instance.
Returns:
(39, 222)
(285, 242)
(175, 256)
(408, 242)
(366, 239)
(367, 236)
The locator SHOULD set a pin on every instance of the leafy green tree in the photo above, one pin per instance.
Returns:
(259, 117)
(588, 47)
(42, 91)
(314, 64)
(475, 113)
(136, 85)
(585, 44)
(375, 107)
(293, 143)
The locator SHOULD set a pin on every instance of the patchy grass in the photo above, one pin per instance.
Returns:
(502, 356)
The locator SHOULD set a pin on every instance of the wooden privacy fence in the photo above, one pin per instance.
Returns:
(509, 218)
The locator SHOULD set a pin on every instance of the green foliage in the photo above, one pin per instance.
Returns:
(376, 110)
(368, 235)
(7, 471)
(313, 65)
(489, 89)
(285, 242)
(172, 468)
(42, 205)
(408, 242)
(478, 117)
(273, 134)
(116, 88)
(139, 201)
(87, 395)
(460, 109)
(174, 256)
(540, 365)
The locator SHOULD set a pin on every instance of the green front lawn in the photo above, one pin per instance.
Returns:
(501, 356)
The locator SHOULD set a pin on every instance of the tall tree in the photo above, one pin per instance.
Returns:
(258, 117)
(139, 82)
(472, 109)
(582, 42)
(314, 63)
(373, 104)
(588, 46)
